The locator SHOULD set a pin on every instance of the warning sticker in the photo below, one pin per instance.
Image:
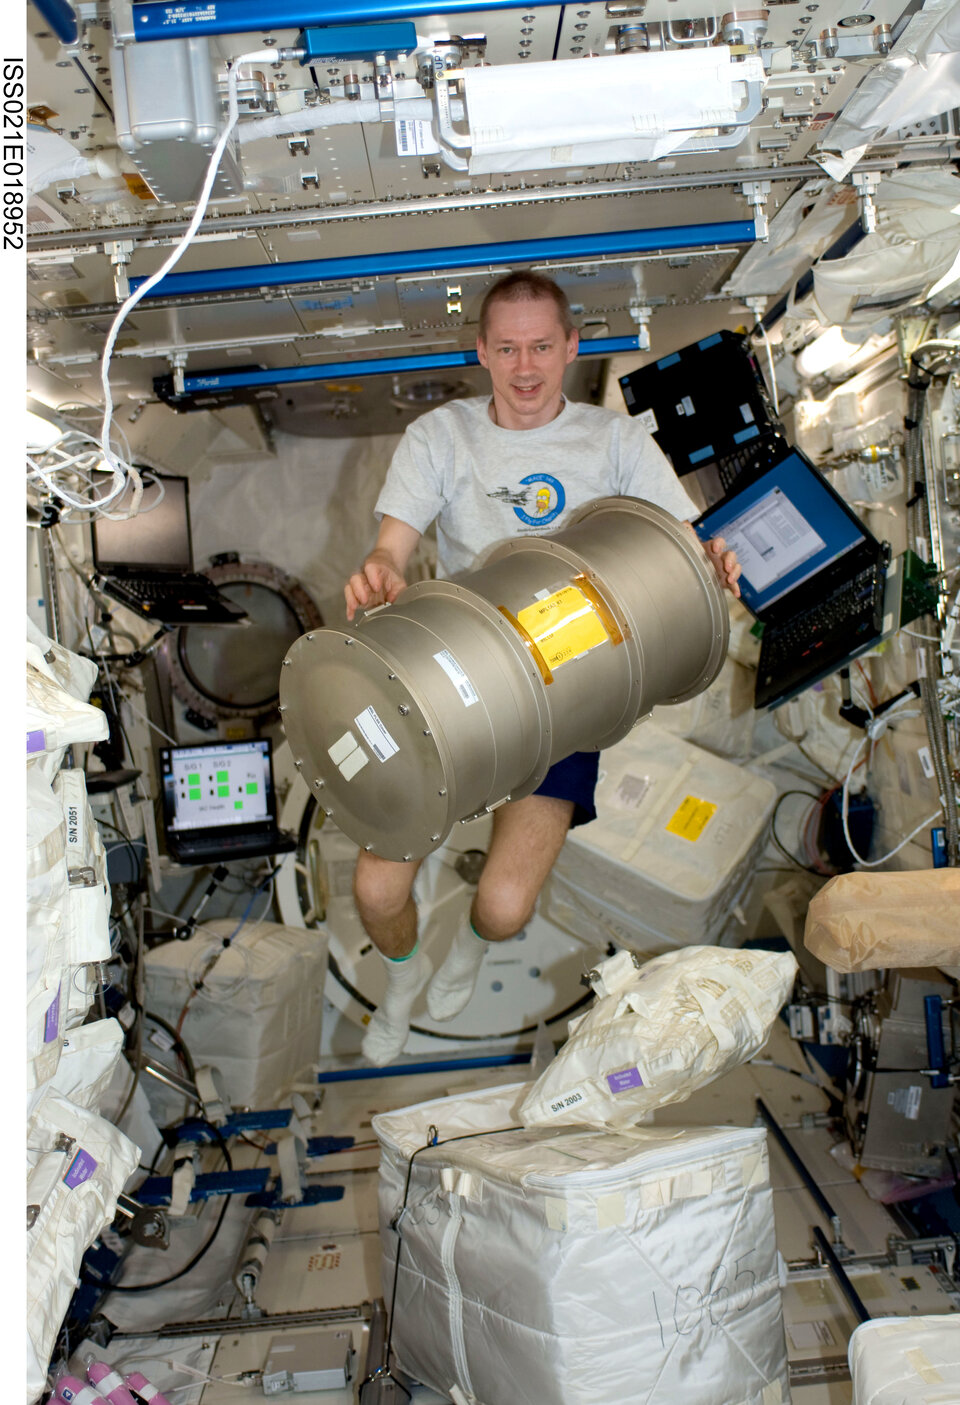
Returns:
(692, 818)
(563, 625)
(376, 736)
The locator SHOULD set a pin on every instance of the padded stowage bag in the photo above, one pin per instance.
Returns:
(906, 1361)
(870, 921)
(658, 1032)
(572, 1267)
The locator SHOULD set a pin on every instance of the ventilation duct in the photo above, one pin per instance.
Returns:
(463, 693)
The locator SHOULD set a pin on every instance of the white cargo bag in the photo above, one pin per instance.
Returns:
(906, 1361)
(58, 684)
(87, 908)
(257, 1018)
(672, 851)
(77, 1165)
(659, 1032)
(556, 1267)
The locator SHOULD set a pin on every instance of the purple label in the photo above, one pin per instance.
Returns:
(626, 1078)
(51, 1023)
(36, 741)
(82, 1168)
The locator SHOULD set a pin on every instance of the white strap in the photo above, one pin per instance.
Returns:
(182, 1183)
(288, 1158)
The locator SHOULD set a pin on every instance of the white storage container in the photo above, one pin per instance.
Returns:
(670, 854)
(257, 1018)
(573, 1267)
(906, 1361)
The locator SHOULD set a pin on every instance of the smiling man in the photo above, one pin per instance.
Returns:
(517, 462)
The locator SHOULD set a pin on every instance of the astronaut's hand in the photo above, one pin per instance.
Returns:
(725, 564)
(376, 583)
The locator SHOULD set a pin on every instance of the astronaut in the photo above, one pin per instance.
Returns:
(469, 465)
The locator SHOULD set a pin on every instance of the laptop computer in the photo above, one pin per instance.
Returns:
(813, 575)
(219, 802)
(707, 407)
(146, 562)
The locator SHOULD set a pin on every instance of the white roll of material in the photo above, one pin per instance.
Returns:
(624, 107)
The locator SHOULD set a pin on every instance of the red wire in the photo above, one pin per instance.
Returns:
(866, 678)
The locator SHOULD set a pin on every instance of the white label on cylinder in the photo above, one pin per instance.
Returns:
(458, 678)
(354, 762)
(376, 735)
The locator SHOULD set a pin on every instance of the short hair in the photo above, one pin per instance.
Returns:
(526, 286)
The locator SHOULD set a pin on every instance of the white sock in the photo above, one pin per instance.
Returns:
(388, 1029)
(452, 986)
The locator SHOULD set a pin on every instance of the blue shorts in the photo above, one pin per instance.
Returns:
(574, 778)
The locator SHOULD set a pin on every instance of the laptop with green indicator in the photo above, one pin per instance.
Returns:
(219, 802)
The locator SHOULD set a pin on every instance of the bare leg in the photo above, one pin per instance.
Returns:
(383, 891)
(528, 835)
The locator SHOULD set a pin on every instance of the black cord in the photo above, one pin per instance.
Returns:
(162, 1283)
(807, 868)
(136, 858)
(178, 1041)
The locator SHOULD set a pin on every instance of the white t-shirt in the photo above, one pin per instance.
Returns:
(487, 485)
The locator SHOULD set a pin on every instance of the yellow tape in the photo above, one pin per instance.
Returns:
(772, 1394)
(692, 818)
(556, 1213)
(611, 1210)
(686, 1186)
(563, 625)
(753, 1168)
(924, 1367)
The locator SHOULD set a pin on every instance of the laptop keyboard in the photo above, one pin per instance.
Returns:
(855, 604)
(161, 585)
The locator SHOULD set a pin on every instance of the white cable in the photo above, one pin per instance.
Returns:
(125, 472)
(142, 715)
(339, 114)
(874, 863)
(773, 374)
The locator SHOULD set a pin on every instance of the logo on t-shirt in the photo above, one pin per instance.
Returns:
(540, 501)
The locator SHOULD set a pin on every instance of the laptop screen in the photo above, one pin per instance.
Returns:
(216, 785)
(786, 526)
(157, 538)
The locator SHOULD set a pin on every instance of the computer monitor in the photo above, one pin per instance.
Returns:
(158, 537)
(789, 529)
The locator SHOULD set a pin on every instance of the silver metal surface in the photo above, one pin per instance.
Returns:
(168, 117)
(447, 703)
(897, 1121)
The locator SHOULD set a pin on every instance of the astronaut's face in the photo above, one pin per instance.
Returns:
(526, 352)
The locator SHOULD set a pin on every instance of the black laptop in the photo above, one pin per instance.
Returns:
(707, 407)
(146, 562)
(219, 802)
(813, 575)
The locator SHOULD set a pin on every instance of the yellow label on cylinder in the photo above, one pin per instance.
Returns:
(692, 818)
(563, 625)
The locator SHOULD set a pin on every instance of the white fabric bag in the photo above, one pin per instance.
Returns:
(659, 1032)
(558, 1267)
(87, 916)
(58, 684)
(906, 1361)
(77, 1164)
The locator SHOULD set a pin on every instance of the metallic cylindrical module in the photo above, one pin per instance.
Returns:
(463, 693)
